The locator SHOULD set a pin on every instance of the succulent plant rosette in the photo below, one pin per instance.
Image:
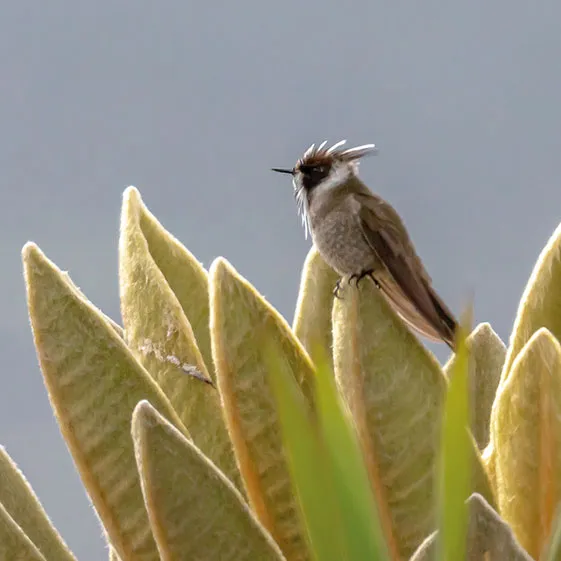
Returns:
(205, 427)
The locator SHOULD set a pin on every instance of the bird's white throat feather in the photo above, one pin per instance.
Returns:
(340, 173)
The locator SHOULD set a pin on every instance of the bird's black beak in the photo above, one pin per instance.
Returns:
(279, 170)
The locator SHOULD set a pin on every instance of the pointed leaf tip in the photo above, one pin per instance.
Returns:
(224, 528)
(144, 413)
(527, 439)
(131, 193)
(312, 318)
(29, 250)
(218, 268)
(74, 343)
(540, 302)
(165, 311)
(241, 321)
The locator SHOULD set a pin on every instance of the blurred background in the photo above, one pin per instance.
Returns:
(193, 102)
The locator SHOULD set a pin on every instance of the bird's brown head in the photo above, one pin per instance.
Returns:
(323, 168)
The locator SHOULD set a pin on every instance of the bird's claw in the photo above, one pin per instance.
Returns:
(359, 276)
(337, 289)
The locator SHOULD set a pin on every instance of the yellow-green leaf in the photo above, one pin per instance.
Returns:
(312, 319)
(19, 500)
(94, 382)
(184, 274)
(113, 554)
(194, 510)
(527, 438)
(395, 389)
(15, 545)
(487, 355)
(241, 320)
(159, 333)
(540, 305)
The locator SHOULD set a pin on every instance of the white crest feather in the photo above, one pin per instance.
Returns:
(335, 146)
(339, 174)
(360, 151)
(309, 151)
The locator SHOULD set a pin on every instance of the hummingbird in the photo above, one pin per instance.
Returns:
(361, 235)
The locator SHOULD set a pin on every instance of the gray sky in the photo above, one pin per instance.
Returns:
(193, 102)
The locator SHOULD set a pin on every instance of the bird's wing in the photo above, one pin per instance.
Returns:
(404, 283)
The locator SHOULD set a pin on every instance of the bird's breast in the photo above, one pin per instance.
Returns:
(339, 239)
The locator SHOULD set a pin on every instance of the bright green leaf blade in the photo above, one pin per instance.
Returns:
(487, 354)
(159, 333)
(194, 510)
(94, 382)
(19, 500)
(553, 549)
(455, 460)
(15, 545)
(241, 320)
(489, 538)
(310, 467)
(359, 520)
(312, 319)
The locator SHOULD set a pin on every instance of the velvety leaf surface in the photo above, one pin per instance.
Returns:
(94, 382)
(540, 305)
(158, 331)
(194, 510)
(15, 545)
(21, 503)
(184, 274)
(489, 537)
(312, 319)
(527, 438)
(487, 355)
(241, 322)
(395, 389)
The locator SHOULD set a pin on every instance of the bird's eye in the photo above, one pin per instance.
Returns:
(314, 170)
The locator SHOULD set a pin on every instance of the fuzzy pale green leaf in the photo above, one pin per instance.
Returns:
(159, 333)
(19, 500)
(118, 329)
(194, 510)
(540, 305)
(487, 355)
(15, 545)
(489, 537)
(241, 321)
(184, 274)
(312, 319)
(94, 382)
(395, 389)
(527, 438)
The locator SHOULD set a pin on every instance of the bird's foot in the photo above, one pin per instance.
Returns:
(337, 289)
(359, 276)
